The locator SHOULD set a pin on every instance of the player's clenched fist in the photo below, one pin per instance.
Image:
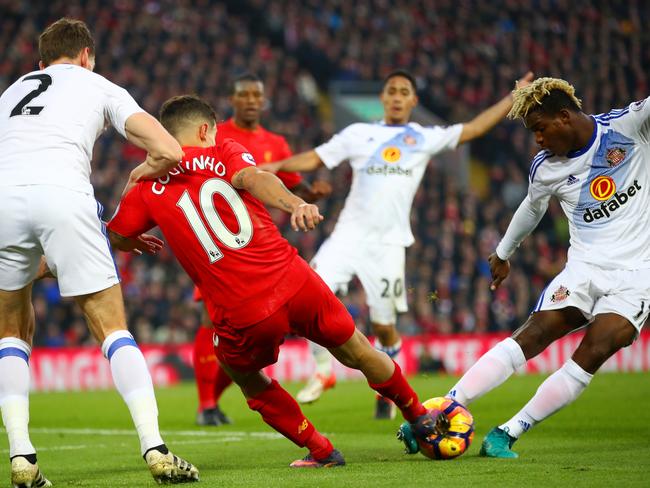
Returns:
(305, 217)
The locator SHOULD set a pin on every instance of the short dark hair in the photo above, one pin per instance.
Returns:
(404, 74)
(178, 110)
(64, 38)
(244, 77)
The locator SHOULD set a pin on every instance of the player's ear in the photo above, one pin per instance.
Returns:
(41, 65)
(203, 131)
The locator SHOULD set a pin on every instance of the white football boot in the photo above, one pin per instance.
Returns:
(169, 468)
(27, 475)
(315, 387)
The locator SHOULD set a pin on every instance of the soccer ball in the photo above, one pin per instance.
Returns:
(454, 426)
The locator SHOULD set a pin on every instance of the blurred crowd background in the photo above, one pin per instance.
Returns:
(465, 54)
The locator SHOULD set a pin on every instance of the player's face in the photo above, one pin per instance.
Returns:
(399, 100)
(552, 132)
(248, 101)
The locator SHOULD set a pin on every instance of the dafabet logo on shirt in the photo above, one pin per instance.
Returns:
(602, 188)
(391, 154)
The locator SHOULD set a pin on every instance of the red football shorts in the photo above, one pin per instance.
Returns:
(313, 312)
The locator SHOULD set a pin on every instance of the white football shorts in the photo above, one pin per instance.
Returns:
(62, 224)
(594, 290)
(379, 267)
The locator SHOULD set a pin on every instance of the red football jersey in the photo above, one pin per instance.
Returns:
(265, 146)
(223, 237)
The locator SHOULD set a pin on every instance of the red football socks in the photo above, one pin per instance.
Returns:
(399, 391)
(205, 368)
(280, 411)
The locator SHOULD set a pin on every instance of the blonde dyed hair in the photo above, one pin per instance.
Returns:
(530, 97)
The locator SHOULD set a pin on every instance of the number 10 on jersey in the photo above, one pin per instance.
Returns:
(206, 202)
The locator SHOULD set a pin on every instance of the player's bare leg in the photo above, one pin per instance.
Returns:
(388, 340)
(323, 377)
(608, 333)
(383, 374)
(104, 312)
(16, 331)
(279, 410)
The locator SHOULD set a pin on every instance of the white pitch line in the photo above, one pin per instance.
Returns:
(182, 433)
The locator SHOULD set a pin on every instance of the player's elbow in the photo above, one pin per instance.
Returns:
(170, 152)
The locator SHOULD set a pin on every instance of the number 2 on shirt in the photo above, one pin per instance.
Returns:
(206, 202)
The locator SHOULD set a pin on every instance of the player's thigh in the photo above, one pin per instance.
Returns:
(318, 315)
(625, 293)
(333, 262)
(17, 314)
(104, 311)
(564, 305)
(544, 327)
(73, 237)
(381, 272)
(608, 333)
(20, 250)
(252, 348)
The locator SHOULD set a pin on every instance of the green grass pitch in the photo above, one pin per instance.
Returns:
(603, 439)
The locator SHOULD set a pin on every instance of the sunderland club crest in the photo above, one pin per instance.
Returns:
(561, 294)
(615, 156)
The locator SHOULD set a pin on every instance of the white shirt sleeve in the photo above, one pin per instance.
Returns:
(337, 149)
(639, 118)
(439, 139)
(525, 219)
(119, 106)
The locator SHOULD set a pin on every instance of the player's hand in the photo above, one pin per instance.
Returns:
(270, 167)
(499, 269)
(305, 217)
(525, 80)
(320, 189)
(144, 243)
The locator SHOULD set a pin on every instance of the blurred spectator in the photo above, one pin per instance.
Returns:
(465, 55)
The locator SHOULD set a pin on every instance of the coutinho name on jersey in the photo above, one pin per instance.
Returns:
(198, 163)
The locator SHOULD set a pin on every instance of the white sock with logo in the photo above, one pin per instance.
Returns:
(133, 381)
(492, 369)
(14, 394)
(323, 360)
(556, 392)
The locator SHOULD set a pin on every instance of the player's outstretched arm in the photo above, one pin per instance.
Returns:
(268, 188)
(491, 116)
(305, 161)
(164, 152)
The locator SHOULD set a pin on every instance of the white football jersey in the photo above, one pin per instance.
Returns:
(49, 122)
(604, 190)
(388, 162)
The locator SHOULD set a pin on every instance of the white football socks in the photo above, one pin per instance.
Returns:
(556, 392)
(133, 381)
(492, 369)
(14, 394)
(323, 360)
(392, 351)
